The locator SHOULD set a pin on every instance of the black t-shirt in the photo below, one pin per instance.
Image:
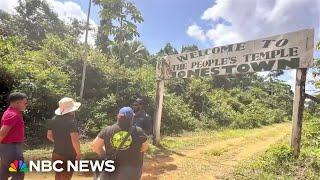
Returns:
(61, 127)
(129, 154)
(143, 120)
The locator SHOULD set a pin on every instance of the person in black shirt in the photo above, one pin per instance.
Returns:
(129, 160)
(141, 118)
(63, 132)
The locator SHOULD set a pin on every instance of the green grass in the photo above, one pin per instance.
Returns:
(279, 163)
(45, 152)
(40, 153)
(187, 140)
(195, 139)
(215, 152)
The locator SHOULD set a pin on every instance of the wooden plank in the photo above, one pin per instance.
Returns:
(158, 112)
(298, 106)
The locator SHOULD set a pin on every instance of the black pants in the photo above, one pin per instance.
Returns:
(9, 153)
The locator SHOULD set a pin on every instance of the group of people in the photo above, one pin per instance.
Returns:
(125, 141)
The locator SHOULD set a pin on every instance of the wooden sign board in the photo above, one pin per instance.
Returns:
(286, 51)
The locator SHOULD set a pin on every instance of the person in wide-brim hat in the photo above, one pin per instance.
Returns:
(67, 105)
(64, 133)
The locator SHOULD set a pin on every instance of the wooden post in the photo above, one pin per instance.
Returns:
(158, 112)
(84, 69)
(161, 69)
(298, 106)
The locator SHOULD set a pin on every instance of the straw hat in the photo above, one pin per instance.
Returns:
(67, 105)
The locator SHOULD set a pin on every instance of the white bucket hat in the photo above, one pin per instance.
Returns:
(67, 105)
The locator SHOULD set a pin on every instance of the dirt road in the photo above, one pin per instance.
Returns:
(205, 156)
(217, 159)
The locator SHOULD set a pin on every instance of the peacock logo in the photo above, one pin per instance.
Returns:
(18, 166)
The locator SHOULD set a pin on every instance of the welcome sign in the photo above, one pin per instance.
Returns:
(287, 51)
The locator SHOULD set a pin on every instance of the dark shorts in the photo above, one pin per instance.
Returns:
(9, 153)
(64, 175)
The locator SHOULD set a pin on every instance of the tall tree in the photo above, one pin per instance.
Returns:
(7, 26)
(76, 28)
(35, 19)
(168, 49)
(118, 22)
(316, 69)
(189, 48)
(103, 41)
(134, 53)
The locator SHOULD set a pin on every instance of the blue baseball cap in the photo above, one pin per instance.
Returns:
(127, 112)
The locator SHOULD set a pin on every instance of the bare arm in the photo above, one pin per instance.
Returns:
(76, 143)
(144, 147)
(97, 146)
(50, 135)
(4, 131)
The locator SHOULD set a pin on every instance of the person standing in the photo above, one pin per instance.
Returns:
(12, 135)
(141, 118)
(129, 157)
(63, 132)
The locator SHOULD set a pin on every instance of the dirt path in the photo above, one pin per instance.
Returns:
(213, 159)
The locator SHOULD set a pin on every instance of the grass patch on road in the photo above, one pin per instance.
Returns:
(278, 161)
(186, 141)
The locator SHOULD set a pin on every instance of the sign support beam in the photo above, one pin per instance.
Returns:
(298, 107)
(158, 112)
(161, 70)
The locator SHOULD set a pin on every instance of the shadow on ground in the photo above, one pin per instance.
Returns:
(158, 164)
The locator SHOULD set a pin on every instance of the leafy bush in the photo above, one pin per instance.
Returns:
(239, 109)
(311, 133)
(177, 115)
(102, 114)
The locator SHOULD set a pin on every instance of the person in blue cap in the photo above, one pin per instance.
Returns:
(141, 118)
(129, 157)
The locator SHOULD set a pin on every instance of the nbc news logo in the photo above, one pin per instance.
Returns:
(18, 166)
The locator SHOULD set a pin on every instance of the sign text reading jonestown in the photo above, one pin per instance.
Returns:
(286, 51)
